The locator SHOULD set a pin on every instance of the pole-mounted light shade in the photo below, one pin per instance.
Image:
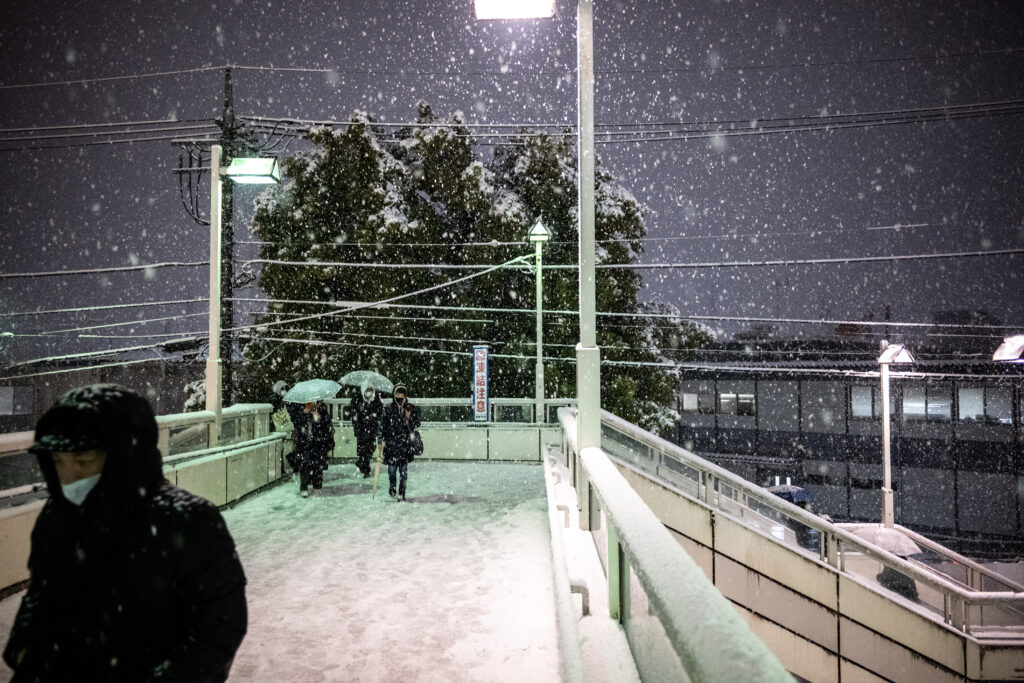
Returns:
(896, 353)
(254, 171)
(539, 233)
(514, 9)
(1011, 350)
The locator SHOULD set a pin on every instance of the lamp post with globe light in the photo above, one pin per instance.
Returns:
(539, 234)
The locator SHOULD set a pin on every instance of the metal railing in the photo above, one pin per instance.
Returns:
(180, 437)
(656, 590)
(951, 588)
(460, 410)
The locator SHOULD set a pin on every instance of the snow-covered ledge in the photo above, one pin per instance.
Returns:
(711, 640)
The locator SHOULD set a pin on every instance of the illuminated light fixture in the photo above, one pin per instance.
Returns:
(896, 353)
(514, 9)
(1011, 350)
(254, 171)
(539, 233)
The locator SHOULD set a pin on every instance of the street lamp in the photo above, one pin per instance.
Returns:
(514, 9)
(1011, 350)
(588, 355)
(249, 171)
(891, 353)
(539, 234)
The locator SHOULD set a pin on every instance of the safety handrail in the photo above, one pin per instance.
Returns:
(717, 647)
(833, 536)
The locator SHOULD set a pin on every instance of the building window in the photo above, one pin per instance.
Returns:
(864, 402)
(927, 403)
(736, 404)
(992, 405)
(703, 403)
(15, 400)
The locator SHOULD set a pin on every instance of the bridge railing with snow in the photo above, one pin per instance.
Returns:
(247, 458)
(836, 600)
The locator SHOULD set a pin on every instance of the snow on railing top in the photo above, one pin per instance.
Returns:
(717, 646)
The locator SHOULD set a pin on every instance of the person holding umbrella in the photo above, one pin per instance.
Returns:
(320, 442)
(366, 411)
(314, 433)
(401, 419)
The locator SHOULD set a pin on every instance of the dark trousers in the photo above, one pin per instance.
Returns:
(311, 470)
(402, 469)
(364, 452)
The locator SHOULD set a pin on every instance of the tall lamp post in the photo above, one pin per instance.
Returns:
(539, 234)
(588, 355)
(891, 353)
(241, 170)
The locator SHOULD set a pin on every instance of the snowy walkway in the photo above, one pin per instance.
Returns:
(455, 584)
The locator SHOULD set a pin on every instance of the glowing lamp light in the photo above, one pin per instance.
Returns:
(896, 353)
(514, 9)
(539, 233)
(1011, 350)
(254, 171)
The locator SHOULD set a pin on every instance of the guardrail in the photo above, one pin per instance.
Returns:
(247, 459)
(675, 619)
(982, 603)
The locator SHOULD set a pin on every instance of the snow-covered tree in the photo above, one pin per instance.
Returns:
(423, 196)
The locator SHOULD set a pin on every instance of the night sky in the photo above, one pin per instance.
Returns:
(952, 185)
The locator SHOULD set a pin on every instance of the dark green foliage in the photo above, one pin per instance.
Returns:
(422, 195)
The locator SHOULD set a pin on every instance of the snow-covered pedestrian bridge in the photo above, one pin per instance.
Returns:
(483, 574)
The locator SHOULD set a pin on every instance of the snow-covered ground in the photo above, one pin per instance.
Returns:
(455, 584)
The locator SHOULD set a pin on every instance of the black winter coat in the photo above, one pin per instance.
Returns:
(366, 418)
(139, 583)
(396, 429)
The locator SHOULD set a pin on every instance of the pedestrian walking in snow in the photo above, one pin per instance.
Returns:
(131, 578)
(317, 444)
(401, 420)
(366, 411)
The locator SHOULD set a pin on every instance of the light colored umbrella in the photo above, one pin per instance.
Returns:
(794, 494)
(887, 538)
(311, 390)
(357, 378)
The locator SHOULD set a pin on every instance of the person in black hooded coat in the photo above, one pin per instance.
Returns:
(133, 579)
(366, 410)
(401, 418)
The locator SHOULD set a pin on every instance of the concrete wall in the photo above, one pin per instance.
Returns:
(823, 625)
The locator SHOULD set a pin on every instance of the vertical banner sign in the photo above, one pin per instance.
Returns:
(480, 393)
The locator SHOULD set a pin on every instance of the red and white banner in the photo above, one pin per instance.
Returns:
(481, 399)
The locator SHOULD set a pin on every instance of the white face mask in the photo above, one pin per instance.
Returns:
(77, 491)
(368, 395)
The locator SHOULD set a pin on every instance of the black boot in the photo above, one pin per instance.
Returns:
(391, 491)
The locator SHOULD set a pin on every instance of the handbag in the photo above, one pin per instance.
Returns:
(415, 444)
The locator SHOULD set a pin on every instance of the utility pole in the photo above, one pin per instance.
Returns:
(228, 139)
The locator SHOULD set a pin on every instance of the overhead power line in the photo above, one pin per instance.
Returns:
(103, 79)
(118, 269)
(385, 301)
(517, 73)
(646, 266)
(639, 314)
(804, 262)
(102, 124)
(65, 371)
(145, 321)
(90, 309)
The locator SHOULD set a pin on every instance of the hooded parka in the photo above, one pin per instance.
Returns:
(141, 582)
